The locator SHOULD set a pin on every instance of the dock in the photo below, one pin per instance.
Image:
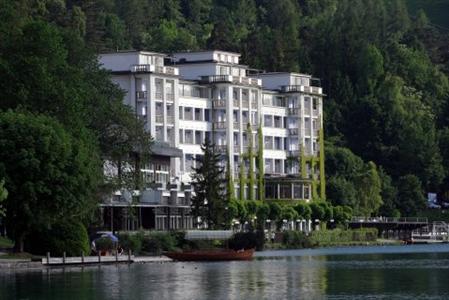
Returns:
(88, 260)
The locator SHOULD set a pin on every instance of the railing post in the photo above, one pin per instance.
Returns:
(82, 257)
(63, 258)
(129, 255)
(116, 255)
(48, 258)
(99, 256)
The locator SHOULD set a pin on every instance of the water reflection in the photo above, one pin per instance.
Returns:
(273, 275)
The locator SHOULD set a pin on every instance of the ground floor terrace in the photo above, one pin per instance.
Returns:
(146, 217)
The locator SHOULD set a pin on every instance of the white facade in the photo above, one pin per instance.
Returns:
(197, 92)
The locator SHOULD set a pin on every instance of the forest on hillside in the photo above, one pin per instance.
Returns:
(383, 67)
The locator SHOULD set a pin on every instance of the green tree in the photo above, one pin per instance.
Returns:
(53, 176)
(250, 154)
(369, 191)
(410, 198)
(207, 180)
(242, 179)
(3, 196)
(230, 190)
(260, 163)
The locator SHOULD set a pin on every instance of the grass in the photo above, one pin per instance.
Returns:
(6, 243)
(22, 255)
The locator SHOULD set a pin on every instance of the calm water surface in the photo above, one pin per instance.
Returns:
(390, 272)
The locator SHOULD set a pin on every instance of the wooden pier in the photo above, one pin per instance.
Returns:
(85, 260)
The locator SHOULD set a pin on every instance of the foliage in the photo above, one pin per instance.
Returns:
(3, 196)
(157, 242)
(53, 175)
(104, 244)
(410, 198)
(247, 240)
(304, 211)
(251, 170)
(230, 190)
(321, 238)
(295, 239)
(131, 242)
(207, 181)
(68, 237)
(260, 163)
(242, 180)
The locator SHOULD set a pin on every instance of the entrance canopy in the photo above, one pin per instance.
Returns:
(208, 234)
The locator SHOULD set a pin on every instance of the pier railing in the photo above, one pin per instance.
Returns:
(388, 220)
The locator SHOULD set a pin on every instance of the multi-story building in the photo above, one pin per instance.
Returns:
(185, 97)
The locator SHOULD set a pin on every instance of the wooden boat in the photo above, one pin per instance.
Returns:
(212, 255)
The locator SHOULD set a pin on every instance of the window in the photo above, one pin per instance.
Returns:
(181, 112)
(198, 139)
(315, 103)
(198, 116)
(277, 122)
(207, 115)
(181, 136)
(188, 136)
(277, 143)
(188, 113)
(268, 120)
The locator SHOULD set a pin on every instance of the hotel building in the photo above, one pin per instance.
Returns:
(184, 97)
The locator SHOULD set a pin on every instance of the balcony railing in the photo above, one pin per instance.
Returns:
(253, 104)
(170, 97)
(142, 68)
(233, 79)
(302, 88)
(158, 95)
(236, 125)
(221, 148)
(293, 131)
(145, 68)
(159, 119)
(245, 103)
(219, 125)
(141, 95)
(293, 153)
(293, 111)
(236, 102)
(170, 120)
(219, 103)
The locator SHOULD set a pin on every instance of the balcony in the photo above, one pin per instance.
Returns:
(170, 97)
(293, 111)
(170, 120)
(231, 79)
(160, 119)
(141, 95)
(221, 148)
(236, 125)
(167, 70)
(293, 131)
(219, 125)
(158, 95)
(236, 103)
(245, 103)
(219, 103)
(302, 89)
(154, 69)
(253, 104)
(294, 153)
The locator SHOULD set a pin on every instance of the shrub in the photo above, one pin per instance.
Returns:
(157, 242)
(295, 239)
(104, 244)
(247, 240)
(66, 237)
(131, 242)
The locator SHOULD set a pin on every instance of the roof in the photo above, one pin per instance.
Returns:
(280, 73)
(134, 51)
(164, 149)
(206, 51)
(208, 234)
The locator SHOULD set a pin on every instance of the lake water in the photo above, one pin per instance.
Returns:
(389, 272)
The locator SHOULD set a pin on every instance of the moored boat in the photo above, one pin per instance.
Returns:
(212, 255)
